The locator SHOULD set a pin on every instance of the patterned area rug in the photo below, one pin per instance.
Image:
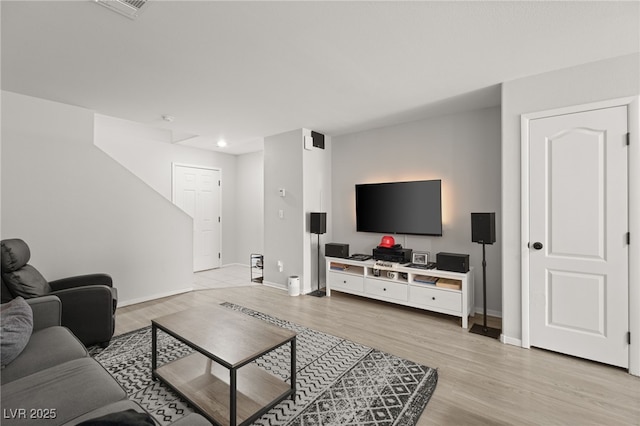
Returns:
(339, 382)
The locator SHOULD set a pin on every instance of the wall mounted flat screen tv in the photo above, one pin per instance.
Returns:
(400, 207)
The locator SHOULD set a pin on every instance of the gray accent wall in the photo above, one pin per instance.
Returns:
(463, 150)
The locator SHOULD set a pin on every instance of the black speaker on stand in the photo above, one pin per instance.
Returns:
(483, 231)
(318, 225)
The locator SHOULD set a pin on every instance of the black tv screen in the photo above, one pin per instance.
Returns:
(400, 207)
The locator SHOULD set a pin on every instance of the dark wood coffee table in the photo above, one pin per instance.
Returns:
(217, 379)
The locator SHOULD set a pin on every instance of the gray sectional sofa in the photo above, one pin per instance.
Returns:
(54, 381)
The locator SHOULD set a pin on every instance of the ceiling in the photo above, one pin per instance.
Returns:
(242, 71)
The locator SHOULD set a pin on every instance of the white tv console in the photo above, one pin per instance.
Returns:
(404, 287)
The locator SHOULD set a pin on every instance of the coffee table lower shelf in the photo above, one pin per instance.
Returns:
(206, 385)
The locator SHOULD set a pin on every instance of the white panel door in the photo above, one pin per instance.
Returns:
(579, 270)
(197, 192)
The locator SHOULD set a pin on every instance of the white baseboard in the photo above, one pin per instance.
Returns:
(235, 264)
(510, 340)
(153, 297)
(275, 285)
(490, 313)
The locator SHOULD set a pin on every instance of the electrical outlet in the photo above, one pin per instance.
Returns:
(281, 214)
(280, 266)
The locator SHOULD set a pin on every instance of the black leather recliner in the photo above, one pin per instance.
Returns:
(88, 301)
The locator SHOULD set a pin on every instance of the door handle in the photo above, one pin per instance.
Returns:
(537, 245)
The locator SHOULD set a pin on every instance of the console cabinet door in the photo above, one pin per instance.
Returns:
(349, 283)
(437, 299)
(386, 289)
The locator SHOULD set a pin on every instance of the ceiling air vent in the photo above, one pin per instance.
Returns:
(128, 8)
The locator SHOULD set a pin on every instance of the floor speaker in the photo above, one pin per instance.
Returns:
(483, 231)
(318, 223)
(483, 228)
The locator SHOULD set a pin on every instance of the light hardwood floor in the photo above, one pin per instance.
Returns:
(481, 381)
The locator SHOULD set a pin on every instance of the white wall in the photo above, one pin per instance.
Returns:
(283, 238)
(147, 153)
(80, 211)
(463, 150)
(316, 198)
(249, 206)
(602, 80)
(306, 177)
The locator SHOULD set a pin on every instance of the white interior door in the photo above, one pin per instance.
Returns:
(578, 254)
(197, 192)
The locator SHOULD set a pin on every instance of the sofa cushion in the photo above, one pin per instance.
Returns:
(26, 282)
(114, 407)
(46, 348)
(5, 293)
(128, 417)
(72, 389)
(14, 253)
(16, 324)
(21, 279)
(191, 419)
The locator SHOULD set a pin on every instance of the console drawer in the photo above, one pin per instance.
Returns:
(386, 289)
(346, 282)
(436, 298)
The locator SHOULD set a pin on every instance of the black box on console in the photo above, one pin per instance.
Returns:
(336, 250)
(398, 255)
(454, 262)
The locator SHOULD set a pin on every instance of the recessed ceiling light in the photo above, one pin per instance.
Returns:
(222, 143)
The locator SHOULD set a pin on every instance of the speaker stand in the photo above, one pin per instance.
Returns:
(483, 329)
(318, 292)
